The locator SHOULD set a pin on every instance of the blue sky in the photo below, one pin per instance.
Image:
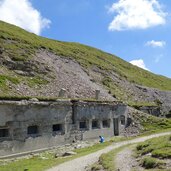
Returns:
(135, 30)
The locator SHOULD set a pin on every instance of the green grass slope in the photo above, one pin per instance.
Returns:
(21, 45)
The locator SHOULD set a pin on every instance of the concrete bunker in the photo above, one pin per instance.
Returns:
(33, 125)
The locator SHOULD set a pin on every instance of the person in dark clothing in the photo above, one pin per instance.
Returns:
(101, 139)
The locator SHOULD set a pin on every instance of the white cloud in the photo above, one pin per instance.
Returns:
(153, 43)
(140, 63)
(22, 14)
(136, 14)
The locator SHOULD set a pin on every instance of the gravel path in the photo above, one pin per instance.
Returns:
(79, 164)
(124, 160)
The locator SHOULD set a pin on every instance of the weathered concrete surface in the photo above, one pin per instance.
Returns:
(32, 125)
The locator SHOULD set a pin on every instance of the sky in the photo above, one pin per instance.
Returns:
(138, 31)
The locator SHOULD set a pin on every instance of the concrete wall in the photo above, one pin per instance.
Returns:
(17, 116)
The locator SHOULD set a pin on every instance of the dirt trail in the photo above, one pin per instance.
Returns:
(124, 160)
(79, 164)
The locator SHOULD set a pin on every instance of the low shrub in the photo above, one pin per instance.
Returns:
(149, 162)
(96, 167)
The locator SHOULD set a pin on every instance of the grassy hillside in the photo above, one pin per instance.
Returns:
(21, 45)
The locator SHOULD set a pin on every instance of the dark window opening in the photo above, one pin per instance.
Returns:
(83, 125)
(57, 127)
(32, 130)
(106, 123)
(122, 120)
(4, 133)
(129, 121)
(73, 114)
(95, 124)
